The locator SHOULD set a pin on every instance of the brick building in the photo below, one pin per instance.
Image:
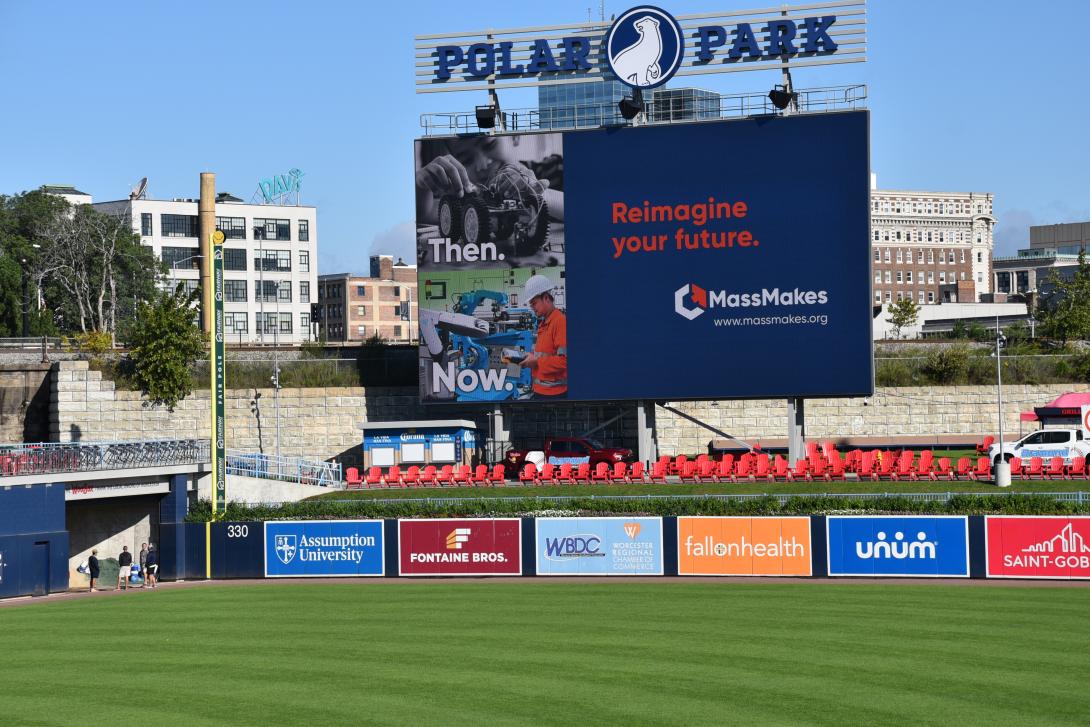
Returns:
(352, 307)
(932, 247)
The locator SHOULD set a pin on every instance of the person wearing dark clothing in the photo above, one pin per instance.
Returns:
(151, 576)
(92, 568)
(124, 562)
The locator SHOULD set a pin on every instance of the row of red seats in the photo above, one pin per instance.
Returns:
(429, 476)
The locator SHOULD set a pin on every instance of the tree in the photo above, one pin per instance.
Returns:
(1065, 310)
(165, 342)
(902, 314)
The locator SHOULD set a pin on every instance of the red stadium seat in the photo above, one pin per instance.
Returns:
(374, 477)
(779, 469)
(393, 477)
(706, 471)
(836, 468)
(943, 469)
(1055, 469)
(904, 466)
(724, 468)
(445, 476)
(688, 472)
(462, 476)
(763, 469)
(983, 469)
(352, 477)
(1077, 469)
(965, 469)
(658, 472)
(866, 467)
(497, 478)
(678, 463)
(800, 471)
(813, 451)
(582, 474)
(564, 476)
(548, 473)
(817, 470)
(635, 474)
(619, 473)
(743, 469)
(412, 477)
(600, 472)
(480, 475)
(427, 476)
(1016, 467)
(1036, 469)
(982, 448)
(528, 475)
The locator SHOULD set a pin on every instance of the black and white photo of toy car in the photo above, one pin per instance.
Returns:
(510, 207)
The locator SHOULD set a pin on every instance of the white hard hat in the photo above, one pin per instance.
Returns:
(537, 285)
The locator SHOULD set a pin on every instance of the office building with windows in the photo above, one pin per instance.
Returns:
(270, 260)
(932, 247)
(1053, 250)
(683, 104)
(352, 308)
(581, 105)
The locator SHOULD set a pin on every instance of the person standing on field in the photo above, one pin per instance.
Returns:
(151, 574)
(124, 562)
(143, 555)
(92, 568)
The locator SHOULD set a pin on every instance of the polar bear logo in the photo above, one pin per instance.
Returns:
(638, 64)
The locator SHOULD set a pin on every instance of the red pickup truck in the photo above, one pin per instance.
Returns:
(572, 450)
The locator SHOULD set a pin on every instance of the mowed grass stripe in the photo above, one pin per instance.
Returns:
(552, 653)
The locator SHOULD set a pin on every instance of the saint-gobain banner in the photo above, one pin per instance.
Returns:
(923, 546)
(1037, 547)
(460, 547)
(744, 546)
(735, 246)
(323, 548)
(600, 546)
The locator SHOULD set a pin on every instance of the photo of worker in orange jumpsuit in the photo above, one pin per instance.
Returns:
(549, 360)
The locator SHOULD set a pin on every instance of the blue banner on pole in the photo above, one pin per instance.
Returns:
(898, 546)
(299, 549)
(601, 546)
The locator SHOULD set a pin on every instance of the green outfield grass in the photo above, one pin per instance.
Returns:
(777, 488)
(542, 652)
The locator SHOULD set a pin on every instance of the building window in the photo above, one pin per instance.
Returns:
(304, 323)
(361, 310)
(889, 277)
(234, 291)
(304, 261)
(397, 331)
(265, 291)
(931, 276)
(361, 291)
(921, 296)
(269, 320)
(397, 311)
(919, 257)
(980, 257)
(877, 255)
(963, 275)
(234, 228)
(942, 276)
(274, 261)
(304, 231)
(942, 257)
(963, 256)
(145, 224)
(284, 291)
(397, 291)
(900, 277)
(876, 235)
(179, 225)
(361, 330)
(181, 258)
(930, 296)
(304, 292)
(980, 277)
(900, 258)
(236, 322)
(887, 255)
(268, 229)
(877, 296)
(234, 259)
(930, 256)
(878, 276)
(889, 296)
(908, 276)
(285, 322)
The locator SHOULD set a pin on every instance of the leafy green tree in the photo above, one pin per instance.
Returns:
(165, 341)
(902, 314)
(960, 330)
(1065, 311)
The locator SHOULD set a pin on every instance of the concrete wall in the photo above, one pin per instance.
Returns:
(323, 423)
(24, 402)
(255, 490)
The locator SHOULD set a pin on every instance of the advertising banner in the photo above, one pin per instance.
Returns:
(736, 238)
(600, 546)
(460, 547)
(311, 548)
(919, 546)
(744, 546)
(1037, 547)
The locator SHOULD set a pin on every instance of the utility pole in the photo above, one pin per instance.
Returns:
(1002, 467)
(206, 211)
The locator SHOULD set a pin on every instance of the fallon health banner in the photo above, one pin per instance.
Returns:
(485, 547)
(600, 546)
(1037, 547)
(921, 546)
(309, 548)
(744, 546)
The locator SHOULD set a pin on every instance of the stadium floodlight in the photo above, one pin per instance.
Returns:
(781, 97)
(631, 106)
(486, 117)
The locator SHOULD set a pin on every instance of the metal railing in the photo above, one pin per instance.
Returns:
(1077, 497)
(284, 469)
(592, 116)
(57, 457)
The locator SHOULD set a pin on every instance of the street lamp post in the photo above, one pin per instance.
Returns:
(1002, 467)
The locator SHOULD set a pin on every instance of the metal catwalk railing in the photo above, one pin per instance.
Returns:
(593, 116)
(284, 469)
(57, 457)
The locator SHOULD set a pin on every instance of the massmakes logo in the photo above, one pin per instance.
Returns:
(285, 548)
(897, 548)
(699, 296)
(456, 538)
(644, 47)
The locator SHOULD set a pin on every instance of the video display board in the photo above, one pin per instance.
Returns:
(681, 261)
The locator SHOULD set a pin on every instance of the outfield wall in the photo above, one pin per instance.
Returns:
(886, 546)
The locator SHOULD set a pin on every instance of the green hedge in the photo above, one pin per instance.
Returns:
(1013, 504)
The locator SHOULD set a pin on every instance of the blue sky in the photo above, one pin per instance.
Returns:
(981, 95)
